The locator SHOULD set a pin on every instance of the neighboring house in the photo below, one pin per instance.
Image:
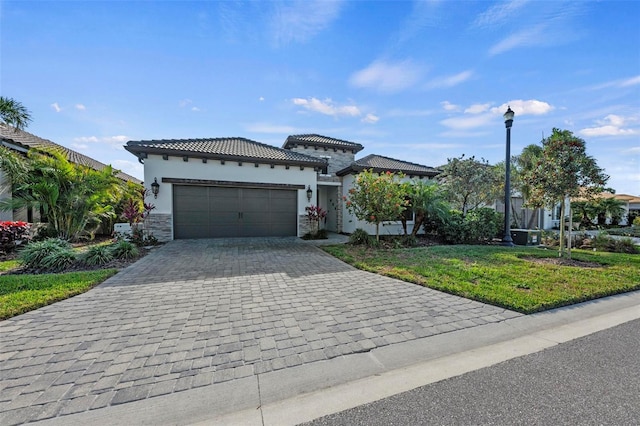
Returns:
(21, 142)
(234, 187)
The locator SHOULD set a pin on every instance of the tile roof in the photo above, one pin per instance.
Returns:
(235, 149)
(19, 138)
(382, 164)
(323, 141)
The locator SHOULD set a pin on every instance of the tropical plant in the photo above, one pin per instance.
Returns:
(97, 255)
(72, 198)
(314, 215)
(33, 255)
(428, 203)
(563, 171)
(609, 208)
(124, 250)
(470, 183)
(361, 237)
(13, 113)
(377, 197)
(12, 234)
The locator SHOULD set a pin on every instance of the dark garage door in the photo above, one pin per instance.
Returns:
(214, 212)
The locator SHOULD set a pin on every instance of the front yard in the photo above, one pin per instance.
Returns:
(523, 279)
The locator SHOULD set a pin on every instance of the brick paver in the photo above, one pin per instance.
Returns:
(197, 312)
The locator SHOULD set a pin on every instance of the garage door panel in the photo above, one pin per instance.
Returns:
(218, 212)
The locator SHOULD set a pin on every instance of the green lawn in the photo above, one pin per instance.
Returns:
(23, 293)
(502, 276)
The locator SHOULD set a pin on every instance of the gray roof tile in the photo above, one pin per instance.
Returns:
(234, 148)
(27, 140)
(323, 141)
(382, 164)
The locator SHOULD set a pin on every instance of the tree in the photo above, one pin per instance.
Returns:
(377, 197)
(609, 208)
(469, 183)
(13, 113)
(563, 171)
(428, 203)
(72, 198)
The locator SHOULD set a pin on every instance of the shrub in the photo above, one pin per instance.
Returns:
(98, 255)
(636, 221)
(59, 260)
(361, 237)
(604, 242)
(124, 250)
(13, 234)
(34, 253)
(478, 226)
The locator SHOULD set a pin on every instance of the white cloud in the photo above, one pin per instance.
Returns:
(477, 108)
(468, 121)
(79, 146)
(498, 14)
(527, 37)
(113, 141)
(327, 107)
(261, 98)
(196, 109)
(370, 118)
(184, 102)
(611, 125)
(56, 107)
(80, 107)
(625, 82)
(387, 77)
(132, 168)
(300, 20)
(270, 128)
(448, 106)
(449, 81)
(522, 107)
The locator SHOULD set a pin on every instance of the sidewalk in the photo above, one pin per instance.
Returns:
(303, 393)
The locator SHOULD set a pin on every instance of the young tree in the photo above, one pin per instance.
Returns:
(13, 113)
(377, 197)
(469, 183)
(563, 171)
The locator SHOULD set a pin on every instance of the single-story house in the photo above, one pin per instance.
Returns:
(21, 142)
(235, 187)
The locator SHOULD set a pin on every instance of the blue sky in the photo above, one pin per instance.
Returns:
(419, 81)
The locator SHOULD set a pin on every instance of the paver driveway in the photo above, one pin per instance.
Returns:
(198, 312)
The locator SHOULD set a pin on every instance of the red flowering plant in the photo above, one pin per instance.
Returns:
(136, 212)
(12, 234)
(315, 214)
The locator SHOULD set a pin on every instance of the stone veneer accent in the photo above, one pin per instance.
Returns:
(338, 159)
(160, 226)
(304, 225)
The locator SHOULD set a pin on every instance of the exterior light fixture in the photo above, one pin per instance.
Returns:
(155, 188)
(309, 193)
(506, 239)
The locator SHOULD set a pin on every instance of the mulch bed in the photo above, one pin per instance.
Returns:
(564, 262)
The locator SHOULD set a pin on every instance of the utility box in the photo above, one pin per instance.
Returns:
(526, 237)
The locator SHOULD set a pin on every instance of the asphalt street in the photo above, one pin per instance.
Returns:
(590, 380)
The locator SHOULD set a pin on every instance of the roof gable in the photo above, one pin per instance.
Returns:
(321, 141)
(380, 164)
(23, 141)
(233, 148)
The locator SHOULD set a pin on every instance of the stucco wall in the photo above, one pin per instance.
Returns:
(338, 159)
(175, 167)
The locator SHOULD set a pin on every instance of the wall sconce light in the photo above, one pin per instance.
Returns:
(155, 188)
(309, 193)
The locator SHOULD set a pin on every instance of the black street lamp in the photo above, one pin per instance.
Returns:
(506, 239)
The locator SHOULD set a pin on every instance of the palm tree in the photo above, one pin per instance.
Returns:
(13, 113)
(429, 203)
(609, 208)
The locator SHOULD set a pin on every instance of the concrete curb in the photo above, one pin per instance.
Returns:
(303, 393)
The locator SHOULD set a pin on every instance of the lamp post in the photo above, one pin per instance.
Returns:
(506, 239)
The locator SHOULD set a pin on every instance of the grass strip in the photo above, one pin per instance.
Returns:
(23, 293)
(502, 276)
